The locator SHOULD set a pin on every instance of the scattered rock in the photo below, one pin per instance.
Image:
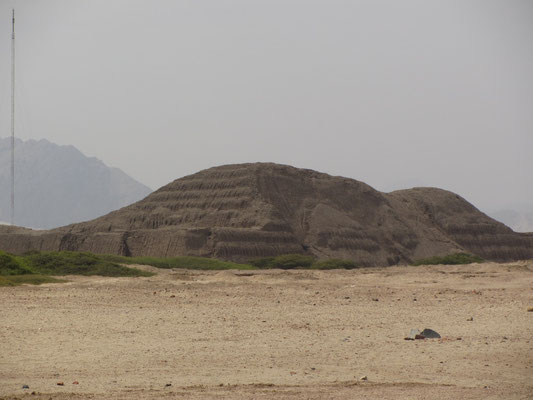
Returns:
(470, 319)
(60, 384)
(425, 334)
(173, 295)
(530, 309)
(75, 383)
(363, 378)
(375, 299)
(412, 334)
(33, 393)
(293, 373)
(430, 334)
(168, 384)
(25, 387)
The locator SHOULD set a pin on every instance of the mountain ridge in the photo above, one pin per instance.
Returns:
(57, 184)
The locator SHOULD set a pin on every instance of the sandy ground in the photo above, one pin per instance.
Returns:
(273, 334)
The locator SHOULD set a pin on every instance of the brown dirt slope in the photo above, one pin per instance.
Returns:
(244, 211)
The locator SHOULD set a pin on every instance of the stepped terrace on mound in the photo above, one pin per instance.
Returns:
(245, 211)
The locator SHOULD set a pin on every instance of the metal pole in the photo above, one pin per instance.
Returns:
(13, 120)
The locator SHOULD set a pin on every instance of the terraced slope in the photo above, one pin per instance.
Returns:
(240, 212)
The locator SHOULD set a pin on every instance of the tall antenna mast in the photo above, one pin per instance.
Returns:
(13, 120)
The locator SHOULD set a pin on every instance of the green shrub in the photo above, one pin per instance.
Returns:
(334, 263)
(285, 261)
(9, 265)
(450, 259)
(263, 263)
(30, 279)
(200, 263)
(291, 261)
(75, 263)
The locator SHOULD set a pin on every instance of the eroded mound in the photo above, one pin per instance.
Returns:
(244, 211)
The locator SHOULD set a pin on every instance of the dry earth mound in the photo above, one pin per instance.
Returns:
(244, 211)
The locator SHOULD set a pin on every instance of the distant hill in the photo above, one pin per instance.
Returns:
(58, 185)
(241, 212)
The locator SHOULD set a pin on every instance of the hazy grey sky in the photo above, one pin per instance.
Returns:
(393, 93)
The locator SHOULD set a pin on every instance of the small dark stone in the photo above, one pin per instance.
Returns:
(168, 384)
(430, 334)
(25, 387)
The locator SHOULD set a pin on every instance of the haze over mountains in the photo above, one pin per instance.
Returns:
(245, 211)
(519, 219)
(58, 185)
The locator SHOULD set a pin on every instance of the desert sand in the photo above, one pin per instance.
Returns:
(273, 334)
